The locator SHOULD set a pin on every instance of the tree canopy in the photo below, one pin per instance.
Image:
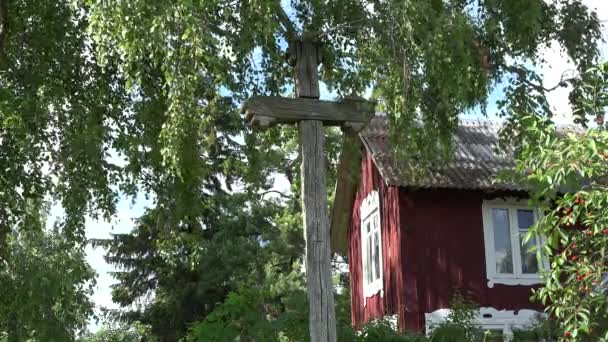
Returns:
(45, 283)
(158, 82)
(120, 333)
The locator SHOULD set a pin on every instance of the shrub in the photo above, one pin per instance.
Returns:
(459, 325)
(251, 315)
(382, 330)
(254, 315)
(545, 330)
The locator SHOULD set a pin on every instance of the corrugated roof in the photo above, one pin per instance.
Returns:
(475, 164)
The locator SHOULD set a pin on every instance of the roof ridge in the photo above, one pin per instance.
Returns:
(481, 121)
(379, 125)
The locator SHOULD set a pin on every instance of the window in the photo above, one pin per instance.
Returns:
(371, 243)
(508, 260)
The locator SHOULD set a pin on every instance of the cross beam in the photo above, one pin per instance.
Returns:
(311, 114)
(265, 111)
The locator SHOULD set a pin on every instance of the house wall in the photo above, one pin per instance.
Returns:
(392, 300)
(443, 251)
(432, 246)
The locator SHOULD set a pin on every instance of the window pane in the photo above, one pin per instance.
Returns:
(367, 226)
(368, 260)
(377, 255)
(376, 216)
(525, 218)
(502, 241)
(529, 263)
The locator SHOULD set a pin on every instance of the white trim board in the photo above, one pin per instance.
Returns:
(370, 215)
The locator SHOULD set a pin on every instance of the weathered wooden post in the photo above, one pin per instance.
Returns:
(311, 115)
(322, 317)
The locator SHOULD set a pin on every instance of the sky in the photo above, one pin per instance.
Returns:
(128, 209)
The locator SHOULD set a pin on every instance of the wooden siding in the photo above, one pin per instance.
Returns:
(391, 301)
(443, 252)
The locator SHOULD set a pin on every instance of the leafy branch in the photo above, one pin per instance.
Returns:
(522, 77)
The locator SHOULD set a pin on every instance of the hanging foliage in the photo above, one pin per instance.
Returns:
(567, 172)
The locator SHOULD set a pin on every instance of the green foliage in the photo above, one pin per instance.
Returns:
(59, 114)
(229, 240)
(545, 330)
(251, 315)
(238, 318)
(254, 314)
(459, 325)
(400, 49)
(567, 174)
(135, 332)
(187, 269)
(244, 317)
(382, 330)
(403, 49)
(45, 283)
(248, 316)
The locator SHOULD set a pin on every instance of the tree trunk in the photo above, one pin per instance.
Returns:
(322, 320)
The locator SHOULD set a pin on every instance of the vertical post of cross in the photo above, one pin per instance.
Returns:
(322, 321)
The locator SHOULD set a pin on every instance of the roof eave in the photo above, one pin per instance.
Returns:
(346, 189)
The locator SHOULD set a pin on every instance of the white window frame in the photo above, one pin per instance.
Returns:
(517, 278)
(370, 211)
(489, 318)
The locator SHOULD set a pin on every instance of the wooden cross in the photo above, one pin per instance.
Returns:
(311, 115)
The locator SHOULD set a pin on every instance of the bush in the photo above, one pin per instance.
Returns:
(251, 315)
(255, 315)
(382, 330)
(459, 324)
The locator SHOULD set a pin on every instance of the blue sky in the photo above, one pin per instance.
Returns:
(128, 209)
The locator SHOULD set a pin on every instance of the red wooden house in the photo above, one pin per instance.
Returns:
(412, 242)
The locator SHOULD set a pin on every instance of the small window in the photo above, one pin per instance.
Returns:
(509, 260)
(371, 243)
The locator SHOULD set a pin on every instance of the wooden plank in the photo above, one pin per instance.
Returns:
(322, 318)
(322, 321)
(306, 63)
(270, 110)
(349, 167)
